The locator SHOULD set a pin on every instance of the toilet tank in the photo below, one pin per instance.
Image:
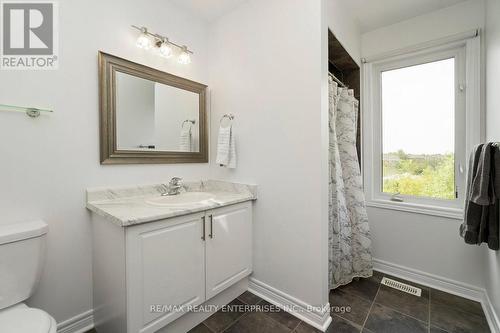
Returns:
(22, 252)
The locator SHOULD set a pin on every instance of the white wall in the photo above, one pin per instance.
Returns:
(345, 27)
(268, 67)
(492, 128)
(426, 243)
(47, 163)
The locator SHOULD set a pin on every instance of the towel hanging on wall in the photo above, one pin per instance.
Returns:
(226, 145)
(186, 138)
(481, 216)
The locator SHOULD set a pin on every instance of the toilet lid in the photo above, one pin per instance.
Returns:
(25, 320)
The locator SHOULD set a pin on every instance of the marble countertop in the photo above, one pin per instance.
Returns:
(127, 206)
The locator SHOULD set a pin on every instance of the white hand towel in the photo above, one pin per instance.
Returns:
(226, 148)
(186, 139)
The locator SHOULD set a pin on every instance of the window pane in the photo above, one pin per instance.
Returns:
(418, 117)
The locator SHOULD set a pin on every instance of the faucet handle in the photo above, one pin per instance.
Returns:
(162, 188)
(175, 181)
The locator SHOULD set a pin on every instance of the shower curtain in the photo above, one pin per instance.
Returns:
(349, 235)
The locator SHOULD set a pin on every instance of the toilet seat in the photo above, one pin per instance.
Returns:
(22, 319)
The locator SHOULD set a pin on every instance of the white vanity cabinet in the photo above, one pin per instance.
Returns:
(165, 266)
(228, 247)
(177, 262)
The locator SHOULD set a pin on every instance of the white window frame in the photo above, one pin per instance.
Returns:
(466, 52)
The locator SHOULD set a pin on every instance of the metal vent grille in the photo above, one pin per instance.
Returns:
(402, 286)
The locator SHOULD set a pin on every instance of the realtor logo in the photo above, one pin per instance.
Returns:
(29, 35)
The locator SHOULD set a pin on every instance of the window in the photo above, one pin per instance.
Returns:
(418, 130)
(423, 119)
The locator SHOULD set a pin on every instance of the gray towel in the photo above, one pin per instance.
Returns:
(494, 216)
(481, 220)
(481, 184)
(472, 217)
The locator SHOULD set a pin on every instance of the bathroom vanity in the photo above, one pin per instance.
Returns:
(155, 257)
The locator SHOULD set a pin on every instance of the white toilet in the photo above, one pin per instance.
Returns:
(22, 248)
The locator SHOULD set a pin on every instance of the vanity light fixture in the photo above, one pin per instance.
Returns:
(162, 44)
(165, 49)
(144, 41)
(184, 57)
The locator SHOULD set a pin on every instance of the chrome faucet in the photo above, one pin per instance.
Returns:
(173, 187)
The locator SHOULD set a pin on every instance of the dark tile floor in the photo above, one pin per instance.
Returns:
(361, 306)
(377, 308)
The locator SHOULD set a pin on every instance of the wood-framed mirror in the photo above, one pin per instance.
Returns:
(148, 116)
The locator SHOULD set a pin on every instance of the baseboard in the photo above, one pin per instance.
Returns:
(448, 285)
(78, 324)
(316, 317)
(490, 313)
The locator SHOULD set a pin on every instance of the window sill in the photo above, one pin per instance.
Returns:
(447, 212)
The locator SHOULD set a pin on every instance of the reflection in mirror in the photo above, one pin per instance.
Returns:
(152, 116)
(149, 116)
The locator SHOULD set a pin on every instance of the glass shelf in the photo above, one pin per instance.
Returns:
(31, 112)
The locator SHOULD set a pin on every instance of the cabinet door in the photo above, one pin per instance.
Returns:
(228, 246)
(165, 269)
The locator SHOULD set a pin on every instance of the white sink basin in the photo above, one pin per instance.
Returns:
(182, 199)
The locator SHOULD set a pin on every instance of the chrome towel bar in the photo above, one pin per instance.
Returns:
(229, 116)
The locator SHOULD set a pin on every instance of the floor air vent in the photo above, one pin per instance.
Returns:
(402, 286)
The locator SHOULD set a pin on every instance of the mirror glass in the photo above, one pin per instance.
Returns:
(152, 116)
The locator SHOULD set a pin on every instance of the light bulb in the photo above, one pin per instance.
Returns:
(184, 57)
(144, 42)
(165, 49)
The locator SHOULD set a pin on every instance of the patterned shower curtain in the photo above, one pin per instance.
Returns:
(349, 234)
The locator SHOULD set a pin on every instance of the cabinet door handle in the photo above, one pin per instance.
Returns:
(211, 235)
(203, 230)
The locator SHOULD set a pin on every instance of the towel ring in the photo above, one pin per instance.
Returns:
(229, 116)
(188, 121)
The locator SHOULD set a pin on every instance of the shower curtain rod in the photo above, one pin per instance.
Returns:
(337, 80)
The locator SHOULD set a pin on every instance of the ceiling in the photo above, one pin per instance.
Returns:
(374, 14)
(209, 10)
(371, 14)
